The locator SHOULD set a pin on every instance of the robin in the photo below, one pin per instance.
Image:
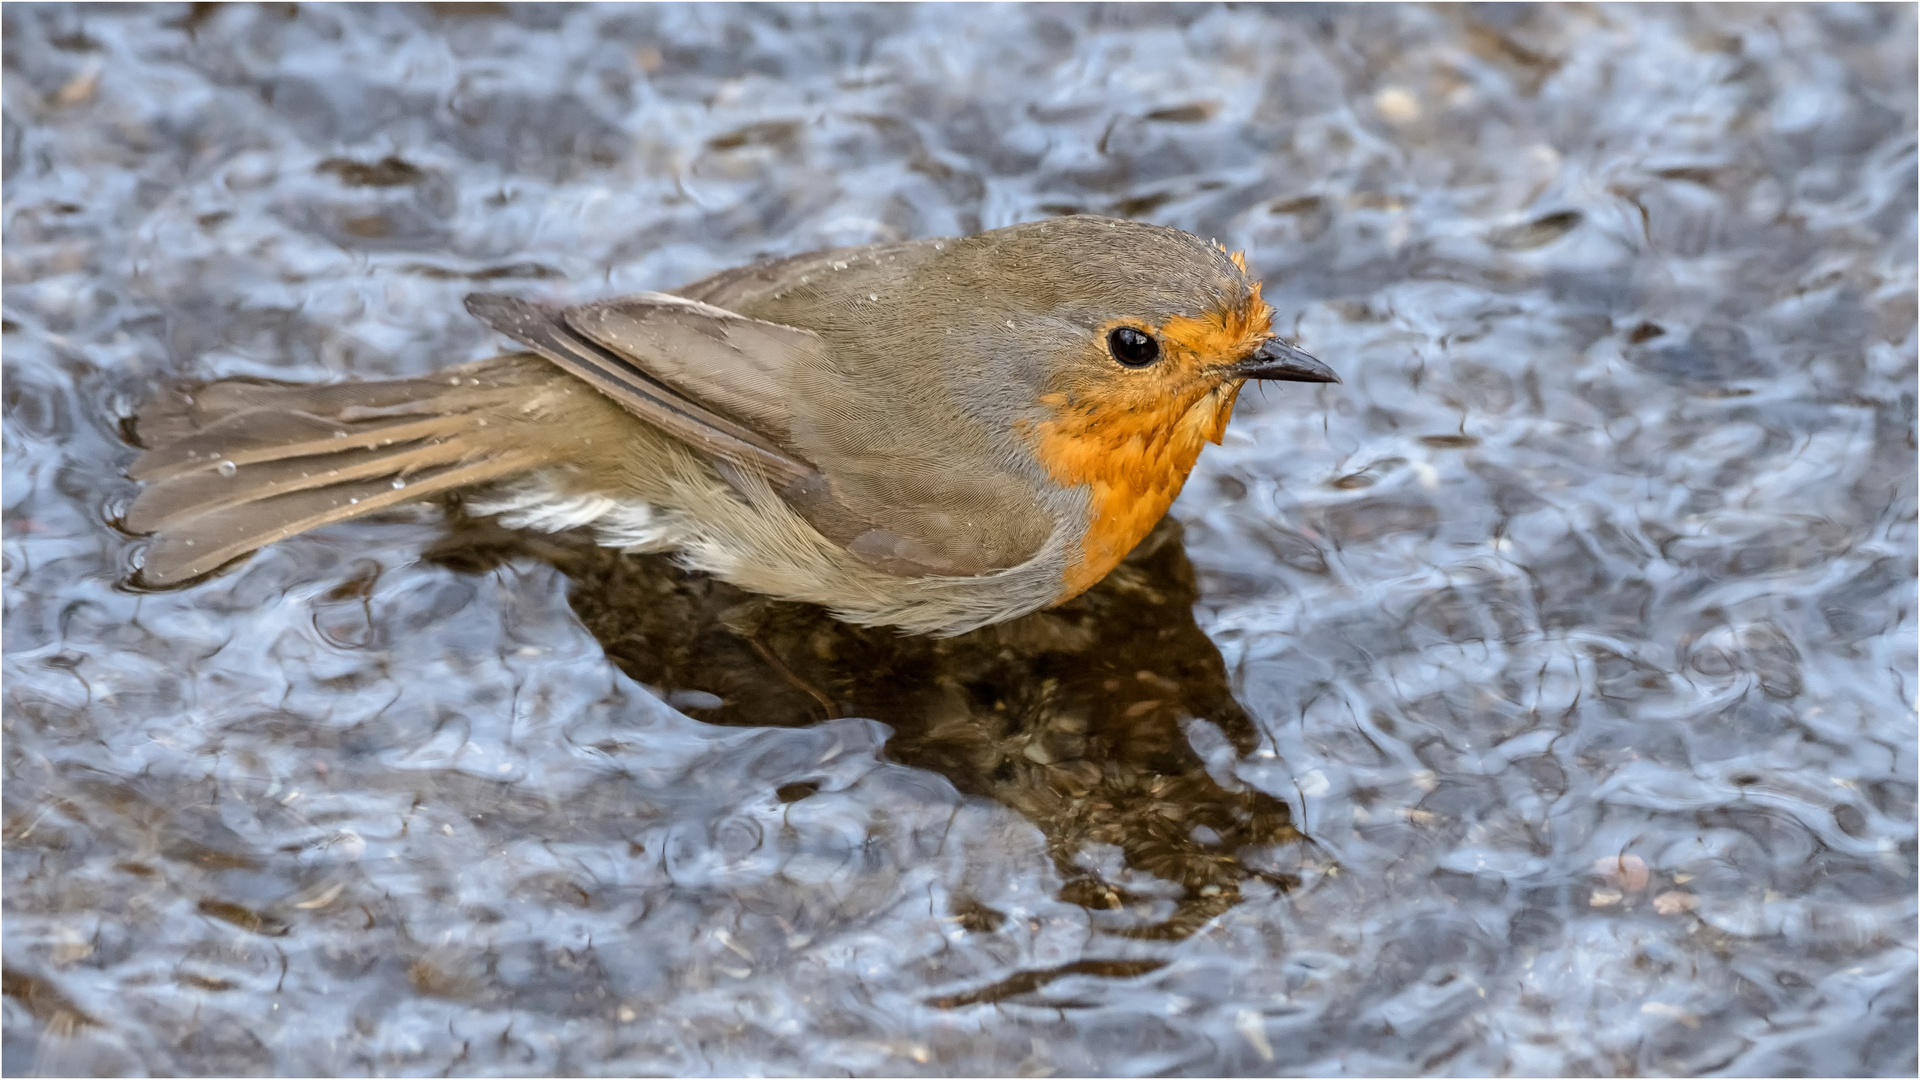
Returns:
(934, 435)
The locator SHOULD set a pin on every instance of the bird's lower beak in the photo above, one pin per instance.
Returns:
(1280, 361)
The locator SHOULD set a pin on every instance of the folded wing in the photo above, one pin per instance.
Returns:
(631, 379)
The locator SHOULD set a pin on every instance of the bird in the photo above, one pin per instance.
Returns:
(934, 435)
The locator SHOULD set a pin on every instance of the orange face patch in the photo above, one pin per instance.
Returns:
(1133, 436)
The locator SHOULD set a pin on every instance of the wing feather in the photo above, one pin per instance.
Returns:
(648, 396)
(744, 366)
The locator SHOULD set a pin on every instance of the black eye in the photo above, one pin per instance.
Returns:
(1133, 348)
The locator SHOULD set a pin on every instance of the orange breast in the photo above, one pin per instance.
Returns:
(1133, 463)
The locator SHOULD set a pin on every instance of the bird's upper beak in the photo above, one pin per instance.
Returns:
(1278, 360)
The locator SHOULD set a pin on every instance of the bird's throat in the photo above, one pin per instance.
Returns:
(1132, 462)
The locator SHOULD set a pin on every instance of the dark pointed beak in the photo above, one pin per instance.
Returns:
(1280, 361)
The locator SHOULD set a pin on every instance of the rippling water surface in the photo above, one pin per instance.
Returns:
(1540, 700)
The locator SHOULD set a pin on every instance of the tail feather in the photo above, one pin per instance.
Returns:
(187, 495)
(268, 434)
(237, 464)
(207, 541)
(184, 411)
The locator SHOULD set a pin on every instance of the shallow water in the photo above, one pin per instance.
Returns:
(1540, 700)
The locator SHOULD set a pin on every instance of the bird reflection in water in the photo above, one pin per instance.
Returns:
(1072, 717)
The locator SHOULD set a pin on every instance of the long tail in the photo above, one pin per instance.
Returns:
(237, 464)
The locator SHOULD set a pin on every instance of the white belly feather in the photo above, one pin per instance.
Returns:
(538, 503)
